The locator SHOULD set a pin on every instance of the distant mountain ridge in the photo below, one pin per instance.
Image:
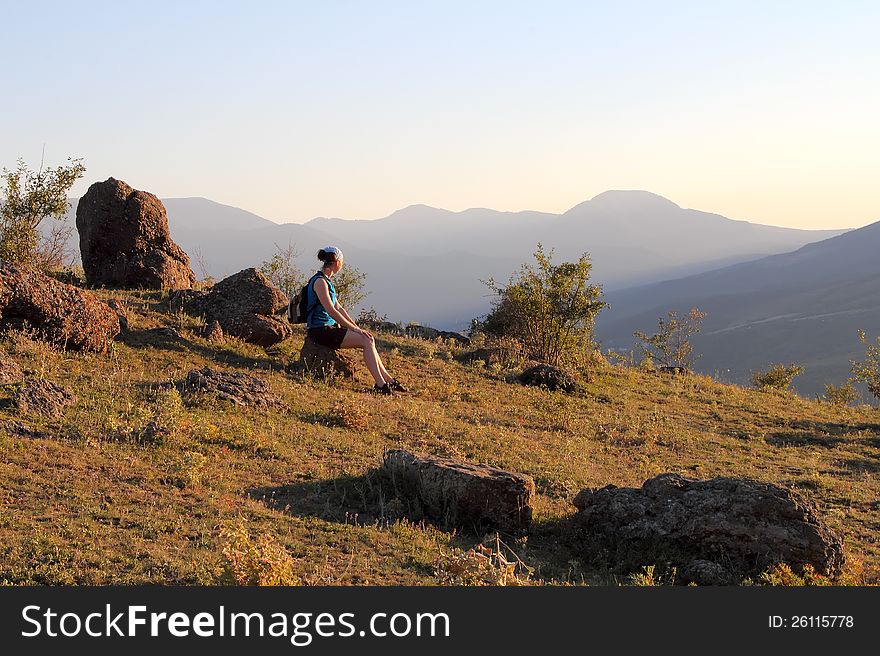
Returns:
(425, 264)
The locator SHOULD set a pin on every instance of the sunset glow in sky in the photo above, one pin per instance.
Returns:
(763, 111)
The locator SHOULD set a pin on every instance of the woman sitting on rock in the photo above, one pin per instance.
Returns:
(331, 326)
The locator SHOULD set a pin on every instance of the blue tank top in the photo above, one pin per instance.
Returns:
(317, 315)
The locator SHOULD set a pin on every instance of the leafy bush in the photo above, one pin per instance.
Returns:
(868, 371)
(351, 286)
(671, 345)
(843, 394)
(778, 376)
(550, 309)
(255, 562)
(281, 270)
(28, 198)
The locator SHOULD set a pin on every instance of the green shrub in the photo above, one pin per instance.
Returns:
(843, 394)
(549, 308)
(778, 376)
(868, 371)
(28, 198)
(670, 346)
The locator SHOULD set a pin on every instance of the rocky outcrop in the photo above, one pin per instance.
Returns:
(454, 493)
(426, 332)
(323, 362)
(238, 388)
(553, 378)
(36, 396)
(64, 315)
(245, 305)
(10, 372)
(489, 356)
(124, 240)
(713, 532)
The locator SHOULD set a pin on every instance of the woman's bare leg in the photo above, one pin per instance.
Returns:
(388, 377)
(371, 357)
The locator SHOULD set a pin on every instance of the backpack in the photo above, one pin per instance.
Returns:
(298, 309)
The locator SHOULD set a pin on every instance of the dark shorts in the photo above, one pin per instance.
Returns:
(329, 336)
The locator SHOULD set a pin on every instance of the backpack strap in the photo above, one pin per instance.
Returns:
(311, 284)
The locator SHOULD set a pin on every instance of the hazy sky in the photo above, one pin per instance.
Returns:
(765, 111)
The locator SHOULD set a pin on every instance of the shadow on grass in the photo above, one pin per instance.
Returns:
(794, 439)
(345, 499)
(170, 339)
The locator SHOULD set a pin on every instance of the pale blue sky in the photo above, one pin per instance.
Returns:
(765, 111)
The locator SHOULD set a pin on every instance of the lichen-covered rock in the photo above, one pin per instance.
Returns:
(246, 305)
(236, 387)
(21, 430)
(36, 396)
(553, 378)
(455, 493)
(716, 531)
(10, 372)
(61, 314)
(125, 242)
(323, 362)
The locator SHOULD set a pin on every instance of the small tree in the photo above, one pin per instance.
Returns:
(550, 309)
(778, 376)
(28, 198)
(868, 370)
(843, 394)
(671, 345)
(350, 285)
(281, 269)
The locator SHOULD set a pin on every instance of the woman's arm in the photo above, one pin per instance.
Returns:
(343, 311)
(323, 293)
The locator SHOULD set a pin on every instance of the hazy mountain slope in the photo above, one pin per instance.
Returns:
(804, 307)
(425, 264)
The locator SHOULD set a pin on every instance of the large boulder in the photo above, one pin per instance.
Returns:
(245, 305)
(323, 362)
(455, 493)
(717, 531)
(125, 242)
(64, 315)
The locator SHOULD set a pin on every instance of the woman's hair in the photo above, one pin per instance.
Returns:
(329, 255)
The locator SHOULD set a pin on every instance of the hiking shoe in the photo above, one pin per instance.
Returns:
(385, 390)
(395, 385)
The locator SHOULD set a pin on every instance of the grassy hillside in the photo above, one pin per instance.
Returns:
(103, 496)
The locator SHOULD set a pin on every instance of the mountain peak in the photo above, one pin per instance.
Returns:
(632, 198)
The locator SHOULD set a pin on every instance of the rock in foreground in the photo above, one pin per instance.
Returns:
(713, 532)
(239, 388)
(124, 240)
(36, 396)
(61, 314)
(454, 493)
(245, 305)
(544, 375)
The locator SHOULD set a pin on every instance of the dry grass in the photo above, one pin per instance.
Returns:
(135, 486)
